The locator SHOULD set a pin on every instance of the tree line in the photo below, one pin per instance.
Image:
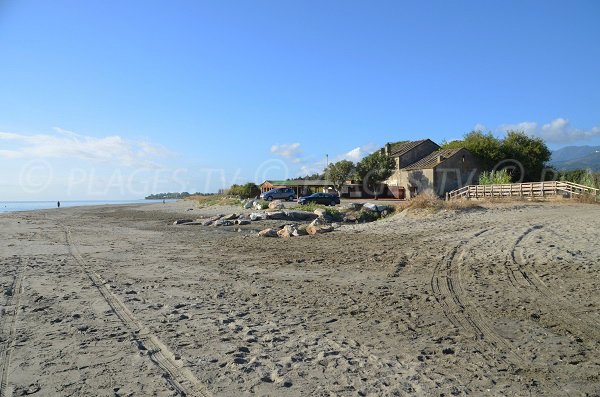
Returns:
(516, 157)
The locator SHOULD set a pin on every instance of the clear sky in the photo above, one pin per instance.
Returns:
(117, 99)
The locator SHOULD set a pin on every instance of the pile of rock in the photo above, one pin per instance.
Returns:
(217, 220)
(321, 220)
(252, 204)
(320, 224)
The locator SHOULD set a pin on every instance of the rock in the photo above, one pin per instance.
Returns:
(376, 207)
(230, 217)
(222, 222)
(294, 215)
(248, 204)
(370, 207)
(352, 206)
(318, 222)
(279, 215)
(318, 229)
(257, 205)
(335, 225)
(288, 231)
(207, 223)
(182, 221)
(350, 218)
(242, 222)
(301, 230)
(258, 216)
(276, 205)
(268, 233)
(320, 212)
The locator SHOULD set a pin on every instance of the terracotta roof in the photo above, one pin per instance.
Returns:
(431, 160)
(401, 147)
(300, 182)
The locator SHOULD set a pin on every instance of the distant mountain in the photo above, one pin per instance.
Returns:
(573, 157)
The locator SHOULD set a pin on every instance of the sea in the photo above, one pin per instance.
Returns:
(13, 206)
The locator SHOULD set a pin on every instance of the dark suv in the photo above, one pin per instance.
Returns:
(281, 193)
(320, 198)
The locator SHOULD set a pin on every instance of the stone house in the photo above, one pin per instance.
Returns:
(423, 166)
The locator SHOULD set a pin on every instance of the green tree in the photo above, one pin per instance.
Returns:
(247, 190)
(486, 147)
(338, 173)
(516, 149)
(374, 169)
(531, 152)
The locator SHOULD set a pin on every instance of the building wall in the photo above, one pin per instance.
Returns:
(457, 171)
(424, 149)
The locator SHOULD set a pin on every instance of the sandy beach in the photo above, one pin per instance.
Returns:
(118, 301)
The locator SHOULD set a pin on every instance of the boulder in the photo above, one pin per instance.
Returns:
(242, 222)
(301, 230)
(318, 222)
(288, 231)
(207, 222)
(248, 204)
(370, 207)
(350, 218)
(294, 215)
(230, 217)
(268, 233)
(278, 215)
(352, 206)
(222, 222)
(258, 216)
(276, 205)
(182, 221)
(376, 207)
(318, 229)
(320, 212)
(257, 205)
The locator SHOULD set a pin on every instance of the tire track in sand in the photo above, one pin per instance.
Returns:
(9, 327)
(460, 311)
(463, 313)
(525, 277)
(179, 377)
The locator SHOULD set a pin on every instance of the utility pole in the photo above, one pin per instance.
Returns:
(327, 159)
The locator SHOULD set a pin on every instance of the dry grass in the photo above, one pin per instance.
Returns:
(427, 201)
(587, 199)
(217, 199)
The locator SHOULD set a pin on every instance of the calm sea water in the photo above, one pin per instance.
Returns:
(11, 206)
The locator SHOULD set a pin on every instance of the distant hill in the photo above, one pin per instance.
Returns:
(574, 157)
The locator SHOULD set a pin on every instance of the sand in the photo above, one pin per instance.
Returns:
(117, 301)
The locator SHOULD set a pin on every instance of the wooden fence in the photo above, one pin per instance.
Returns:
(532, 189)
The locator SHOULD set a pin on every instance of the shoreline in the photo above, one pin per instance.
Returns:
(85, 203)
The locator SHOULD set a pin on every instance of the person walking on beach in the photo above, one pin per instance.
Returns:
(58, 204)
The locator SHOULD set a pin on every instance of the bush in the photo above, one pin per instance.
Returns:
(217, 199)
(494, 177)
(248, 190)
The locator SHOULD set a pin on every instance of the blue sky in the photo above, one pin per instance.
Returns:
(117, 99)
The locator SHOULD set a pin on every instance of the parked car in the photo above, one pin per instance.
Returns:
(320, 198)
(281, 193)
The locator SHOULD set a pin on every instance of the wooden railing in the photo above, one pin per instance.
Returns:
(532, 189)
